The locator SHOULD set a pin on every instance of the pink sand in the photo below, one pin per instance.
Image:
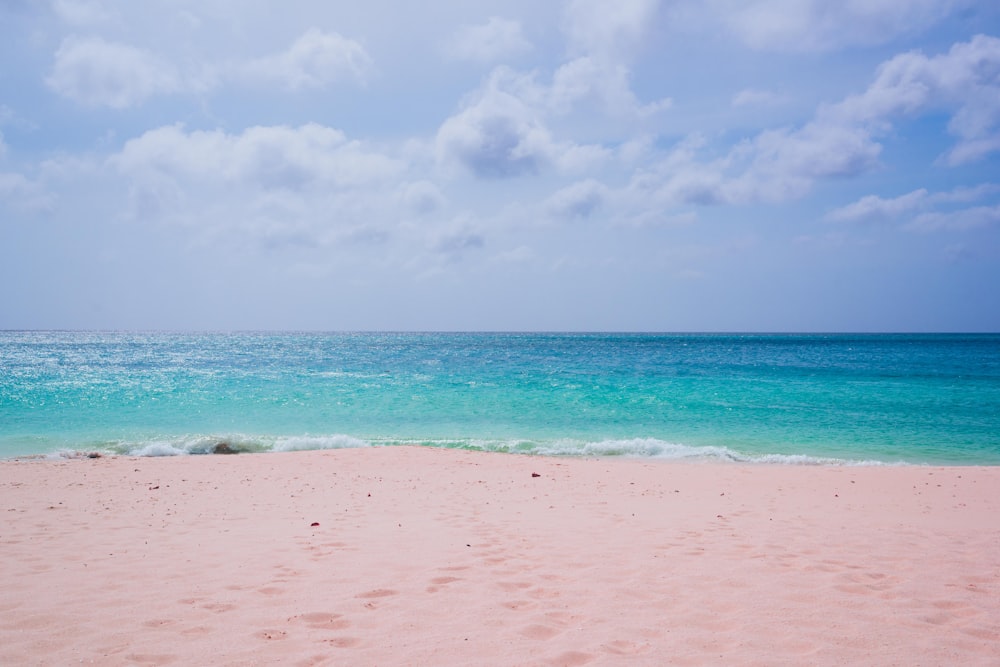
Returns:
(429, 557)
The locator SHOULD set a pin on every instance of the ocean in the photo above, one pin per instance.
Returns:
(766, 398)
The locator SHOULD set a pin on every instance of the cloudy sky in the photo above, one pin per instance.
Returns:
(670, 165)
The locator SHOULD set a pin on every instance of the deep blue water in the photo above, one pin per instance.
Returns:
(770, 398)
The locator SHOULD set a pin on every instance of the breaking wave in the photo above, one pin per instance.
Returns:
(643, 448)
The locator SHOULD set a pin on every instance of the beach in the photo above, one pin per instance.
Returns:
(415, 555)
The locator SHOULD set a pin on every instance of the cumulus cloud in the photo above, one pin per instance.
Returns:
(589, 79)
(275, 157)
(784, 163)
(602, 37)
(272, 188)
(924, 211)
(95, 72)
(774, 166)
(964, 81)
(579, 200)
(493, 41)
(498, 136)
(502, 133)
(819, 25)
(844, 139)
(502, 129)
(314, 60)
(874, 207)
(961, 220)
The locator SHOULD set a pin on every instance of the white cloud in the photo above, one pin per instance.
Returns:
(456, 240)
(497, 136)
(961, 220)
(272, 188)
(774, 166)
(965, 194)
(820, 25)
(95, 72)
(579, 200)
(785, 163)
(24, 194)
(501, 132)
(81, 12)
(924, 211)
(13, 184)
(607, 29)
(875, 207)
(843, 139)
(422, 197)
(602, 38)
(314, 60)
(276, 157)
(964, 81)
(587, 78)
(493, 41)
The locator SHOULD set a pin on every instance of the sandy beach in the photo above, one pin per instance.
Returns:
(419, 556)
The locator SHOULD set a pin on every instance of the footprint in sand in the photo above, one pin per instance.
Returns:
(322, 620)
(513, 585)
(540, 632)
(571, 659)
(343, 642)
(377, 593)
(438, 582)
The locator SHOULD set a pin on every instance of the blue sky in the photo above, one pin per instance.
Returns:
(578, 165)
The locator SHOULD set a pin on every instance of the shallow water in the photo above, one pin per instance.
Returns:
(761, 397)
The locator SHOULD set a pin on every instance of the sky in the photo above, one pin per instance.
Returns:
(637, 165)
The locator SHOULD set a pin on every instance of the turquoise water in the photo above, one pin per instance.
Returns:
(769, 398)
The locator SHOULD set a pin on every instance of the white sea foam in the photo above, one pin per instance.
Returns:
(644, 448)
(158, 449)
(659, 449)
(301, 443)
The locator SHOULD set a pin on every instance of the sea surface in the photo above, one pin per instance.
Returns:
(768, 398)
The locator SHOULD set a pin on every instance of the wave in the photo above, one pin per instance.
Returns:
(642, 448)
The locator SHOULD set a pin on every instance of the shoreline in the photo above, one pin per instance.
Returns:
(626, 449)
(423, 555)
